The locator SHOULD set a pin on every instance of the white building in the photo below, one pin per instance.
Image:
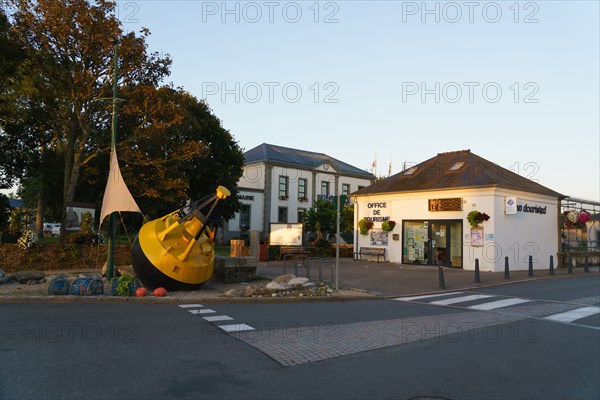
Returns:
(279, 184)
(430, 203)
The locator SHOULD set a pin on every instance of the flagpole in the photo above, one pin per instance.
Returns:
(110, 260)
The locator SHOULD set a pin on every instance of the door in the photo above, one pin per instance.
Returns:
(446, 243)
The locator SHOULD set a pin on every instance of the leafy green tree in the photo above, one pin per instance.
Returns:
(321, 217)
(68, 69)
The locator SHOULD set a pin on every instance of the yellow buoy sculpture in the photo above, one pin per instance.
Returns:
(177, 251)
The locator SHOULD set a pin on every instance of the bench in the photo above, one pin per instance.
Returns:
(371, 251)
(297, 250)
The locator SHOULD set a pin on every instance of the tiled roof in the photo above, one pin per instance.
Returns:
(301, 158)
(436, 174)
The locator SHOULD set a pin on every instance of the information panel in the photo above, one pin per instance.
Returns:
(286, 235)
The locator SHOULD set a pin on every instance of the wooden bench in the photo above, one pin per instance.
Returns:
(297, 250)
(371, 251)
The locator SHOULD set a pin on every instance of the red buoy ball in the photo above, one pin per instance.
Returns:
(141, 292)
(160, 292)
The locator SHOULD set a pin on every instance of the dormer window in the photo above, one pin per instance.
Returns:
(457, 166)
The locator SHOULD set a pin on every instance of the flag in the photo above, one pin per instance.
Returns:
(116, 195)
(374, 165)
(390, 168)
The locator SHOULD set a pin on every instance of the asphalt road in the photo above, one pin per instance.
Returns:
(538, 340)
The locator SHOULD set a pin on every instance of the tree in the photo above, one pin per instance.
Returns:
(69, 68)
(171, 149)
(321, 217)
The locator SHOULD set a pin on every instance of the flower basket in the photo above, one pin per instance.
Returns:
(364, 225)
(388, 226)
(475, 218)
(573, 219)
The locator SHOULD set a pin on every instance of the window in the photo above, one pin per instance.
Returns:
(410, 171)
(283, 187)
(282, 216)
(325, 188)
(302, 190)
(301, 212)
(244, 217)
(457, 166)
(345, 189)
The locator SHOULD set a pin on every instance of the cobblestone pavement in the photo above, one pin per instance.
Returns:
(303, 345)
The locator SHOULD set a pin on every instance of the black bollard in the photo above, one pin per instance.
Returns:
(506, 269)
(586, 267)
(441, 278)
(530, 265)
(570, 265)
(551, 265)
(477, 278)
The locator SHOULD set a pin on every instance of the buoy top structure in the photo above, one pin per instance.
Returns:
(176, 251)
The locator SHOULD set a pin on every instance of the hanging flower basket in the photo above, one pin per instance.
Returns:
(573, 219)
(364, 225)
(475, 218)
(388, 226)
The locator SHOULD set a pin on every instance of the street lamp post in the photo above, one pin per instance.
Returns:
(112, 223)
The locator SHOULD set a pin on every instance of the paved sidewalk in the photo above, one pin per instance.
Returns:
(357, 280)
(395, 280)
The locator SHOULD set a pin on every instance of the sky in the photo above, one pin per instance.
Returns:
(397, 82)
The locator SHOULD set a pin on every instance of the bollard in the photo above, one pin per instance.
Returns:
(506, 270)
(530, 265)
(477, 278)
(586, 267)
(570, 265)
(441, 278)
(551, 265)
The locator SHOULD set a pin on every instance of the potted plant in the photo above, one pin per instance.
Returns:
(388, 226)
(364, 225)
(475, 218)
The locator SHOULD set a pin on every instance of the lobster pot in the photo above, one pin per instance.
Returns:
(87, 287)
(59, 286)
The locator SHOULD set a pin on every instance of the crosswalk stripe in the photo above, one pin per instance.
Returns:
(578, 313)
(236, 328)
(413, 298)
(191, 305)
(218, 318)
(461, 299)
(498, 304)
(203, 311)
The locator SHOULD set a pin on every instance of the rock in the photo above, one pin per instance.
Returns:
(329, 290)
(2, 273)
(278, 286)
(309, 285)
(26, 276)
(297, 281)
(246, 291)
(284, 278)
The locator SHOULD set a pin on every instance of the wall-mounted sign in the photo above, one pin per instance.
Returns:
(531, 208)
(245, 197)
(510, 205)
(454, 204)
(376, 208)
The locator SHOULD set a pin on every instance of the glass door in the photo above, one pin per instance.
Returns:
(446, 243)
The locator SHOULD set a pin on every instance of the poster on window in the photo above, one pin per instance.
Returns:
(379, 238)
(477, 237)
